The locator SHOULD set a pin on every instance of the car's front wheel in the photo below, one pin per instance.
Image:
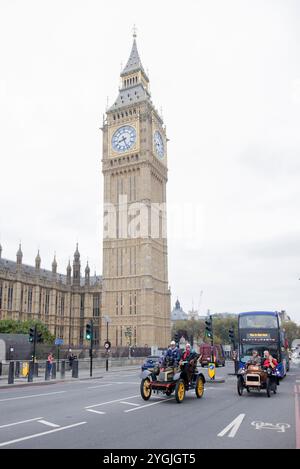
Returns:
(145, 389)
(180, 391)
(199, 387)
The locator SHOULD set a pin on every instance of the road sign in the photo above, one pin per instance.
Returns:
(107, 345)
(211, 370)
(59, 341)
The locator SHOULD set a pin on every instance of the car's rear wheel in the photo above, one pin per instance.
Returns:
(199, 387)
(268, 387)
(146, 389)
(240, 386)
(180, 391)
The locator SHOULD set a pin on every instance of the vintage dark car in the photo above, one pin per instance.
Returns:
(169, 379)
(257, 377)
(151, 362)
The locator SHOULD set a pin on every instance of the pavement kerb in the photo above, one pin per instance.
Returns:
(69, 379)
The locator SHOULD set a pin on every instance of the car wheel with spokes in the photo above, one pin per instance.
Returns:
(180, 391)
(240, 386)
(199, 387)
(145, 389)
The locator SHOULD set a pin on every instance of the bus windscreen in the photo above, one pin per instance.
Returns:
(259, 321)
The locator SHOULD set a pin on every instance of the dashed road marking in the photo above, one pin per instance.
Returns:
(32, 395)
(50, 424)
(19, 423)
(297, 415)
(95, 411)
(100, 386)
(110, 402)
(130, 403)
(36, 435)
(149, 405)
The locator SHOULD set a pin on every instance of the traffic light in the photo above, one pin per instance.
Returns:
(208, 327)
(31, 334)
(231, 334)
(176, 338)
(39, 337)
(88, 332)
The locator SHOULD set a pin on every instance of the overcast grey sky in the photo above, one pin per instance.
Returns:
(227, 75)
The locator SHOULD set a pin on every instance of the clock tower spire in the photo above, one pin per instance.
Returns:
(136, 293)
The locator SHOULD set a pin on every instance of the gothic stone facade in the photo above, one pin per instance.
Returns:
(65, 303)
(134, 291)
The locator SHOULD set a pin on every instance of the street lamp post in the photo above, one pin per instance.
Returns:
(107, 319)
(128, 333)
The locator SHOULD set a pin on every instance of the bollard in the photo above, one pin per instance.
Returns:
(17, 371)
(106, 364)
(36, 370)
(62, 369)
(47, 372)
(30, 372)
(53, 371)
(0, 368)
(11, 368)
(75, 369)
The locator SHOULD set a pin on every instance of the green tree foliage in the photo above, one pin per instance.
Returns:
(10, 326)
(292, 331)
(196, 328)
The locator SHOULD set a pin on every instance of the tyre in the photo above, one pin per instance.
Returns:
(180, 391)
(247, 387)
(145, 389)
(240, 386)
(268, 387)
(199, 389)
(168, 392)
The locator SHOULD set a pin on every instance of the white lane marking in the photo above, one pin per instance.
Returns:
(233, 426)
(125, 382)
(100, 386)
(130, 403)
(297, 380)
(21, 421)
(96, 411)
(149, 405)
(36, 435)
(32, 395)
(110, 402)
(45, 422)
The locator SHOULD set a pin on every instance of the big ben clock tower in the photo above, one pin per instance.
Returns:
(136, 294)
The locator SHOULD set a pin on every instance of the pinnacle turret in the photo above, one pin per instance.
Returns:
(54, 265)
(38, 261)
(19, 255)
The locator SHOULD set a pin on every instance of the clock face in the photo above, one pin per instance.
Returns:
(158, 144)
(124, 138)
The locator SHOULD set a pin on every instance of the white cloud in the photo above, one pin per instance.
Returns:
(227, 77)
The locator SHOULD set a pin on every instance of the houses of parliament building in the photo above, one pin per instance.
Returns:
(133, 290)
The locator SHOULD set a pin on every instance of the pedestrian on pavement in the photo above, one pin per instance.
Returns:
(71, 358)
(50, 361)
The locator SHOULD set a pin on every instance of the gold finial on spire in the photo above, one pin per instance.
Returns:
(134, 30)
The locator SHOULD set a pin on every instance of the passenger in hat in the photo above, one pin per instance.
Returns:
(255, 358)
(172, 355)
(188, 361)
